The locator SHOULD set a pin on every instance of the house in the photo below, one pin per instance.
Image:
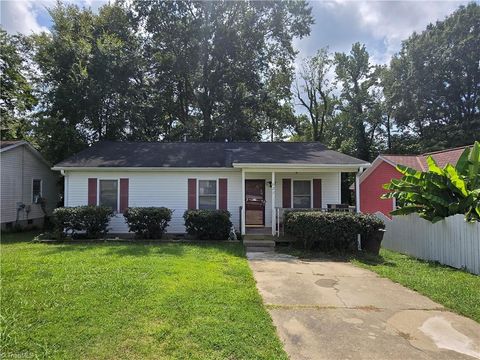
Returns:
(253, 180)
(383, 170)
(26, 180)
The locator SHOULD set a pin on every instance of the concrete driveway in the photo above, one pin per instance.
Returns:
(333, 310)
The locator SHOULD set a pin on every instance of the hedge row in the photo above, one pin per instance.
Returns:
(145, 222)
(148, 222)
(329, 231)
(93, 220)
(208, 224)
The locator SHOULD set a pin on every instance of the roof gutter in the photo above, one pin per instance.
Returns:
(298, 166)
(139, 168)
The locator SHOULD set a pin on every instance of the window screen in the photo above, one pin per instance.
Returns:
(109, 193)
(302, 194)
(207, 194)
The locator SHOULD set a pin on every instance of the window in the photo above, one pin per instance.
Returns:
(302, 191)
(36, 190)
(108, 193)
(207, 194)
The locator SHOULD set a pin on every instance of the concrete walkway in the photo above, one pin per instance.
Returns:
(334, 310)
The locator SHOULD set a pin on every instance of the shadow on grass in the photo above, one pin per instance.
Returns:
(315, 255)
(372, 260)
(144, 249)
(18, 237)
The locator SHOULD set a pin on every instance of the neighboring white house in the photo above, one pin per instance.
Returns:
(26, 179)
(254, 181)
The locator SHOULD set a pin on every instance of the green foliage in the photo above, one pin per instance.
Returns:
(94, 59)
(208, 224)
(317, 89)
(148, 222)
(439, 193)
(160, 70)
(453, 288)
(328, 231)
(433, 88)
(168, 301)
(146, 71)
(16, 97)
(91, 219)
(360, 97)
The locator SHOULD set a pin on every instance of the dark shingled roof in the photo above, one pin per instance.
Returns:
(6, 143)
(206, 154)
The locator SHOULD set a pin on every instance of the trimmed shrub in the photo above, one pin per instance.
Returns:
(208, 224)
(91, 219)
(148, 222)
(329, 231)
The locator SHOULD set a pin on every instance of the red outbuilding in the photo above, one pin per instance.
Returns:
(383, 169)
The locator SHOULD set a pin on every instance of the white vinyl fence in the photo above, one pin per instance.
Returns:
(451, 241)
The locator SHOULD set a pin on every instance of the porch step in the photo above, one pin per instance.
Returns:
(259, 242)
(260, 249)
(258, 237)
(259, 245)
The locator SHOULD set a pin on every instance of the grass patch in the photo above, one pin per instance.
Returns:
(453, 288)
(106, 301)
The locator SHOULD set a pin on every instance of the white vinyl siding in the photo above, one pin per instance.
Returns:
(331, 188)
(163, 188)
(169, 188)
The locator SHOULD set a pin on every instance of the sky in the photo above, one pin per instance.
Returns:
(380, 25)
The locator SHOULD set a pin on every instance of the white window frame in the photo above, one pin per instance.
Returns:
(41, 188)
(311, 192)
(117, 210)
(216, 194)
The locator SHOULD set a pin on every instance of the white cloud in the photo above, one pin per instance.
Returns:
(394, 21)
(22, 16)
(31, 16)
(390, 22)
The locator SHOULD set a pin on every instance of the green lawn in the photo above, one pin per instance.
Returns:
(455, 289)
(106, 301)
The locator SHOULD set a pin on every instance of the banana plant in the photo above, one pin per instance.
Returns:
(439, 192)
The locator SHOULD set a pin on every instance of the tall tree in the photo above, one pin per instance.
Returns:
(224, 52)
(89, 74)
(315, 94)
(359, 80)
(435, 82)
(16, 96)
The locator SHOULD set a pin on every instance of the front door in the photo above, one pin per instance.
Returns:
(255, 202)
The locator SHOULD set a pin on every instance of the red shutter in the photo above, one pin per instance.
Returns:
(192, 194)
(317, 193)
(123, 195)
(92, 191)
(222, 194)
(287, 193)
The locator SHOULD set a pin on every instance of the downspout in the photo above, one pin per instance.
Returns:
(243, 228)
(357, 202)
(357, 189)
(65, 187)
